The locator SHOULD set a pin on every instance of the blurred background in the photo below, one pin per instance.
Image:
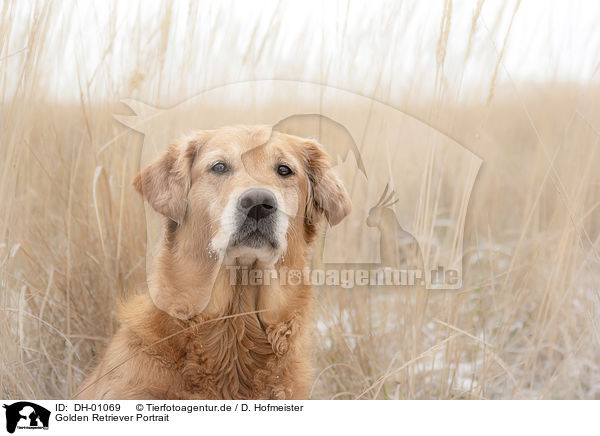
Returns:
(515, 84)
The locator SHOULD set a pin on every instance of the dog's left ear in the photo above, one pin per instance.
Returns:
(164, 183)
(326, 190)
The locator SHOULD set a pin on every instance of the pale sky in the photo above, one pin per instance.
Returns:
(371, 47)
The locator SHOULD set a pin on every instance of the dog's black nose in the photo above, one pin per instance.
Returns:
(258, 203)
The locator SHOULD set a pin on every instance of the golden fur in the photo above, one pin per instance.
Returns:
(196, 335)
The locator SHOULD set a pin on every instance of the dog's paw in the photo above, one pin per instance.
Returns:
(181, 311)
(180, 307)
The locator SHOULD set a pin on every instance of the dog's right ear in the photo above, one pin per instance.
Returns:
(327, 192)
(165, 183)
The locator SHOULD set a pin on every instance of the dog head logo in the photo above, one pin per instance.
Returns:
(26, 415)
(372, 148)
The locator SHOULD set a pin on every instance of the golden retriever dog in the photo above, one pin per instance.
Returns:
(235, 199)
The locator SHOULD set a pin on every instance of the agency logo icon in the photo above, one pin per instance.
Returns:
(26, 415)
(409, 183)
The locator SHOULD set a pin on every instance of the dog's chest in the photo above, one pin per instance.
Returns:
(235, 358)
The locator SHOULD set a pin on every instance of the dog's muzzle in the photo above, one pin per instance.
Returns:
(256, 219)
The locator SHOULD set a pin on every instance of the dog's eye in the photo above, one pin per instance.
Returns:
(219, 167)
(284, 170)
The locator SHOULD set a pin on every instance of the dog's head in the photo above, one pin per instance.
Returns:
(243, 194)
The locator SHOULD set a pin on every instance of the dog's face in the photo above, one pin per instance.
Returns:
(243, 194)
(248, 185)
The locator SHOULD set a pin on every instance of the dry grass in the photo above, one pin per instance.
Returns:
(526, 323)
